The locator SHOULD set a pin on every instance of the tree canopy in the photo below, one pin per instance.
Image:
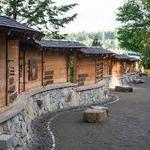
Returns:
(43, 14)
(96, 42)
(134, 33)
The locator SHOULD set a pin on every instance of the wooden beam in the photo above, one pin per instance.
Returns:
(42, 67)
(24, 72)
(6, 70)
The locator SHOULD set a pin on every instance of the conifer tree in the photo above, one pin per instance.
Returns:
(96, 43)
(43, 14)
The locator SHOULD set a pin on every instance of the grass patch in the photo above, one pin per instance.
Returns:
(147, 71)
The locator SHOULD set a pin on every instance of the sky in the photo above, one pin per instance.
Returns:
(93, 15)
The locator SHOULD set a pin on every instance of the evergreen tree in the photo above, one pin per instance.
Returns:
(44, 14)
(96, 42)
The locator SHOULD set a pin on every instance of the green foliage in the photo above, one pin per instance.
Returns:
(96, 42)
(44, 14)
(147, 71)
(134, 34)
(86, 38)
(55, 35)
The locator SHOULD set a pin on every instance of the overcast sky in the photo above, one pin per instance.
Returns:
(93, 15)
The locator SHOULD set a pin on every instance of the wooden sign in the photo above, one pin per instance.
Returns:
(33, 69)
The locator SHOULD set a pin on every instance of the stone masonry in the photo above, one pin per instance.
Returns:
(47, 100)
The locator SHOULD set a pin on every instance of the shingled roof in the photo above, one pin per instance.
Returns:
(95, 50)
(134, 59)
(122, 56)
(60, 44)
(7, 22)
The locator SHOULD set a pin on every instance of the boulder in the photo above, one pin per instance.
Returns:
(100, 108)
(6, 141)
(138, 81)
(123, 88)
(93, 115)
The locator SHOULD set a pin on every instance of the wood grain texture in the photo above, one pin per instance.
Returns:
(35, 55)
(2, 70)
(13, 69)
(57, 64)
(86, 66)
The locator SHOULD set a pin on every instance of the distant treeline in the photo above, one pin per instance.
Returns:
(85, 36)
(106, 39)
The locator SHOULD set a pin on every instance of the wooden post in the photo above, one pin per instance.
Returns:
(19, 70)
(24, 72)
(75, 67)
(7, 70)
(42, 67)
(96, 59)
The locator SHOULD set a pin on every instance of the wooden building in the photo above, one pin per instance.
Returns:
(91, 64)
(11, 33)
(123, 64)
(59, 61)
(27, 63)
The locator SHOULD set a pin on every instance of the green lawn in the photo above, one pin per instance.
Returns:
(147, 71)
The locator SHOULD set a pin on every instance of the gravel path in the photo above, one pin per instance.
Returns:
(127, 128)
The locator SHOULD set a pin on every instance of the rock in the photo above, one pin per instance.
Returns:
(100, 108)
(95, 115)
(138, 81)
(123, 88)
(1, 129)
(6, 141)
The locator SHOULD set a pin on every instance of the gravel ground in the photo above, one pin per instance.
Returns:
(127, 127)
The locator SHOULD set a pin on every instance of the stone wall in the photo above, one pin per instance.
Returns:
(126, 79)
(16, 120)
(92, 95)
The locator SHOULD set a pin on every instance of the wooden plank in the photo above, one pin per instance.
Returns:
(33, 67)
(2, 70)
(13, 70)
(86, 68)
(58, 65)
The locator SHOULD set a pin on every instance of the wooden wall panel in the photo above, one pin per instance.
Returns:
(114, 67)
(118, 70)
(2, 70)
(107, 66)
(33, 66)
(117, 67)
(13, 70)
(21, 70)
(55, 68)
(99, 68)
(86, 73)
(130, 66)
(124, 67)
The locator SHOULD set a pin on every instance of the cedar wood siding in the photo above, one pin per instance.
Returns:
(2, 70)
(86, 70)
(54, 67)
(33, 55)
(13, 70)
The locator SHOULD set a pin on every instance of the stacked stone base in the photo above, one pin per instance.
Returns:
(16, 120)
(112, 81)
(33, 104)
